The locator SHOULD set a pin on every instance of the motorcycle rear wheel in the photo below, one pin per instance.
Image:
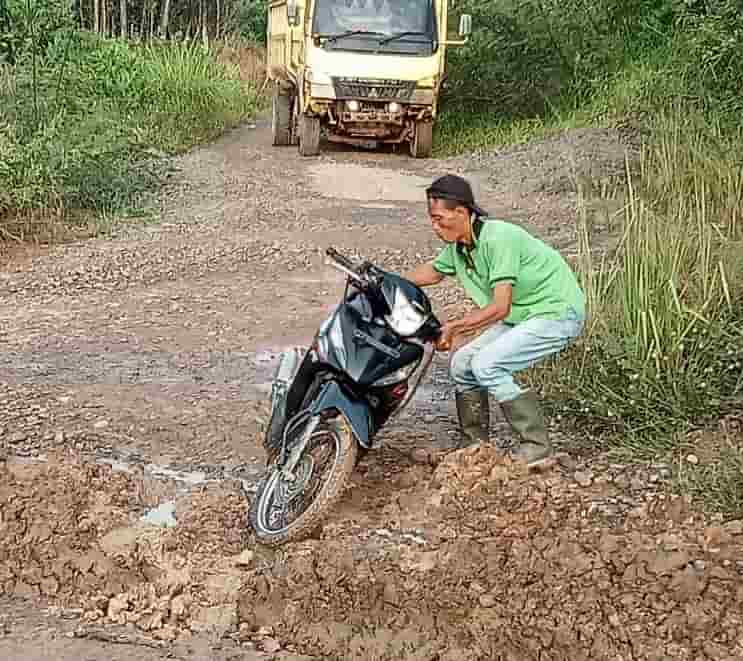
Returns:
(275, 499)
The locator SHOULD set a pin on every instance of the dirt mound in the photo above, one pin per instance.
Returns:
(471, 560)
(557, 163)
(511, 566)
(71, 532)
(52, 521)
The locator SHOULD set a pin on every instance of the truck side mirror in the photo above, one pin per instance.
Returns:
(292, 12)
(465, 25)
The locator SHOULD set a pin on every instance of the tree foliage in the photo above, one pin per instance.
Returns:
(137, 19)
(81, 114)
(525, 55)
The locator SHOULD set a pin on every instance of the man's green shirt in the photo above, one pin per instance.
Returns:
(544, 285)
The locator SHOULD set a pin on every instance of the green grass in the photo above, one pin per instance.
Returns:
(662, 354)
(86, 127)
(717, 478)
(459, 132)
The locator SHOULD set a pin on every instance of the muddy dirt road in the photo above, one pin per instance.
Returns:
(133, 381)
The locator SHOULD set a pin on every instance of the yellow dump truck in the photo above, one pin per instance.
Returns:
(362, 71)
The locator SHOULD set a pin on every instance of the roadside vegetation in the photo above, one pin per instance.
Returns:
(658, 373)
(88, 108)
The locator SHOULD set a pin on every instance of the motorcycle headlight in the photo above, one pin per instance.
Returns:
(404, 318)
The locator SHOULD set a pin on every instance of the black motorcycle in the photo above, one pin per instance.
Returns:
(328, 405)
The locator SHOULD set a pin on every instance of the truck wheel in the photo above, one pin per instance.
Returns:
(281, 118)
(309, 135)
(421, 145)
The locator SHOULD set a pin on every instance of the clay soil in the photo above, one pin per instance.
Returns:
(134, 375)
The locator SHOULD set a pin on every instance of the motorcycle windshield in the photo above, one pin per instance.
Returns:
(362, 347)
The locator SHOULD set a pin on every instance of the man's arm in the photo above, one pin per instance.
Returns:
(497, 311)
(424, 275)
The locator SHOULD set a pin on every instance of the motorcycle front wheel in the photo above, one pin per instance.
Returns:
(284, 511)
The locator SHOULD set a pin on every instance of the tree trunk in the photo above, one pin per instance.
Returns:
(142, 18)
(124, 19)
(96, 16)
(204, 31)
(218, 21)
(104, 18)
(165, 18)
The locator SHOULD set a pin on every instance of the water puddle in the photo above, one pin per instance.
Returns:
(184, 478)
(188, 478)
(350, 181)
(431, 404)
(162, 516)
(117, 466)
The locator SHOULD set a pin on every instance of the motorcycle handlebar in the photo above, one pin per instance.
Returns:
(343, 261)
(344, 264)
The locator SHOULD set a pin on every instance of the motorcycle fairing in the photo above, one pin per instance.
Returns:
(333, 397)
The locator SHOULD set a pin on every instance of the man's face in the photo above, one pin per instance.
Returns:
(450, 225)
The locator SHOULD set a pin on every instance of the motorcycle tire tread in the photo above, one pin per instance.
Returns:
(328, 496)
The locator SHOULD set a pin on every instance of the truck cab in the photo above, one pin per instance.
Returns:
(362, 71)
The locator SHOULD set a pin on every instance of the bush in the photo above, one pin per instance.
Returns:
(664, 347)
(252, 20)
(27, 27)
(525, 56)
(602, 60)
(80, 132)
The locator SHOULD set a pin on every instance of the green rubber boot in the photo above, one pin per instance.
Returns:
(473, 409)
(524, 414)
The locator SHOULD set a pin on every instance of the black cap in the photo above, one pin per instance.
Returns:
(452, 187)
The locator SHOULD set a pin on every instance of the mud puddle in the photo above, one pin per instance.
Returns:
(184, 477)
(351, 181)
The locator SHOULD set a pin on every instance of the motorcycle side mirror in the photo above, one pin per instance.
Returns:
(465, 25)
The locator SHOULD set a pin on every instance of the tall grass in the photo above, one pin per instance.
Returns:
(458, 132)
(104, 111)
(663, 350)
(189, 96)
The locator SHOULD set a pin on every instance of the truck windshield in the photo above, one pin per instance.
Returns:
(385, 26)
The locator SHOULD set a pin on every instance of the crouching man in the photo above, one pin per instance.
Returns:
(531, 306)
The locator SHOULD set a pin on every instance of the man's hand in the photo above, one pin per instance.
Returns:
(448, 331)
(498, 310)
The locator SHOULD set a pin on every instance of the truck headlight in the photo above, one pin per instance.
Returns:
(318, 77)
(393, 107)
(353, 105)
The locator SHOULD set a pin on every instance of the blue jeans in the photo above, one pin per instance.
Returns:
(490, 360)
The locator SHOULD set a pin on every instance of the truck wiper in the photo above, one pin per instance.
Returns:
(349, 33)
(408, 33)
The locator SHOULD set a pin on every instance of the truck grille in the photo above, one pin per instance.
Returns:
(375, 89)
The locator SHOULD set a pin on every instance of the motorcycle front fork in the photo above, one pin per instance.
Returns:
(288, 466)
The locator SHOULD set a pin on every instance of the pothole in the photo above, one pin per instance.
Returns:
(370, 184)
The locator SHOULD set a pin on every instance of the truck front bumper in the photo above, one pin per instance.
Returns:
(361, 120)
(421, 96)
